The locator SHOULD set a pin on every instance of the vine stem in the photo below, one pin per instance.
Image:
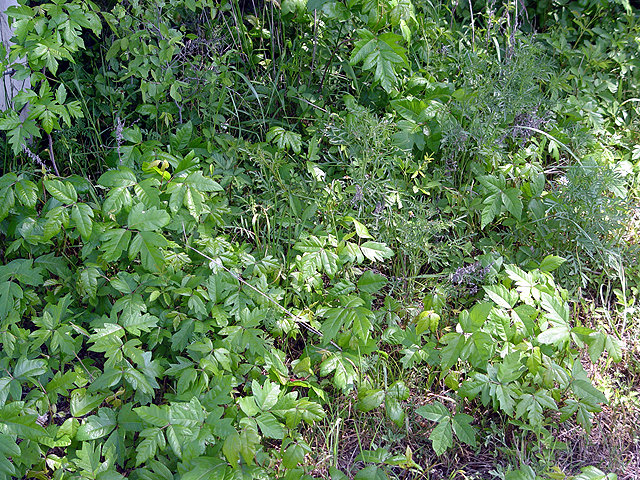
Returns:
(53, 160)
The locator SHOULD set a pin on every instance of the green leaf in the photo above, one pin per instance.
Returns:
(182, 137)
(501, 296)
(526, 315)
(593, 473)
(8, 448)
(202, 184)
(138, 380)
(88, 282)
(461, 424)
(82, 402)
(350, 315)
(131, 305)
(7, 202)
(154, 415)
(160, 471)
(370, 399)
(63, 192)
(27, 193)
(383, 54)
(493, 204)
(26, 369)
(24, 272)
(510, 369)
(555, 335)
(525, 472)
(146, 449)
(455, 343)
(21, 133)
(115, 201)
(147, 219)
(293, 455)
(305, 410)
(137, 323)
(524, 280)
(57, 218)
(332, 9)
(15, 421)
(82, 214)
(436, 412)
(557, 310)
(269, 426)
(376, 251)
(371, 472)
(535, 360)
(266, 396)
(149, 245)
(206, 468)
(512, 202)
(344, 376)
(316, 255)
(442, 436)
(97, 426)
(231, 449)
(614, 348)
(394, 410)
(148, 193)
(371, 282)
(550, 263)
(123, 177)
(585, 391)
(114, 242)
(361, 230)
(584, 416)
(533, 406)
(248, 441)
(285, 139)
(506, 397)
(492, 184)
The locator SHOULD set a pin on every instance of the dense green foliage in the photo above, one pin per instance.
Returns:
(229, 230)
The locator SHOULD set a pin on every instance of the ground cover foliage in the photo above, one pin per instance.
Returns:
(320, 239)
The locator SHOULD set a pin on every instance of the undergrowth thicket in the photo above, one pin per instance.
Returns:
(315, 239)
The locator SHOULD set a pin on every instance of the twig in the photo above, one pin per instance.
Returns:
(315, 44)
(179, 111)
(335, 51)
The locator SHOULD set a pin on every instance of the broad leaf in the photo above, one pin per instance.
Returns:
(442, 436)
(82, 214)
(501, 296)
(63, 192)
(97, 426)
(461, 424)
(512, 202)
(376, 251)
(382, 54)
(371, 282)
(82, 402)
(550, 263)
(123, 177)
(26, 369)
(147, 219)
(370, 399)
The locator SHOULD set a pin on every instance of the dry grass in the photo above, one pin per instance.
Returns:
(612, 446)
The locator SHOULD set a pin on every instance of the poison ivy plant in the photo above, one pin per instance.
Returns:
(157, 294)
(382, 54)
(442, 435)
(217, 289)
(45, 36)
